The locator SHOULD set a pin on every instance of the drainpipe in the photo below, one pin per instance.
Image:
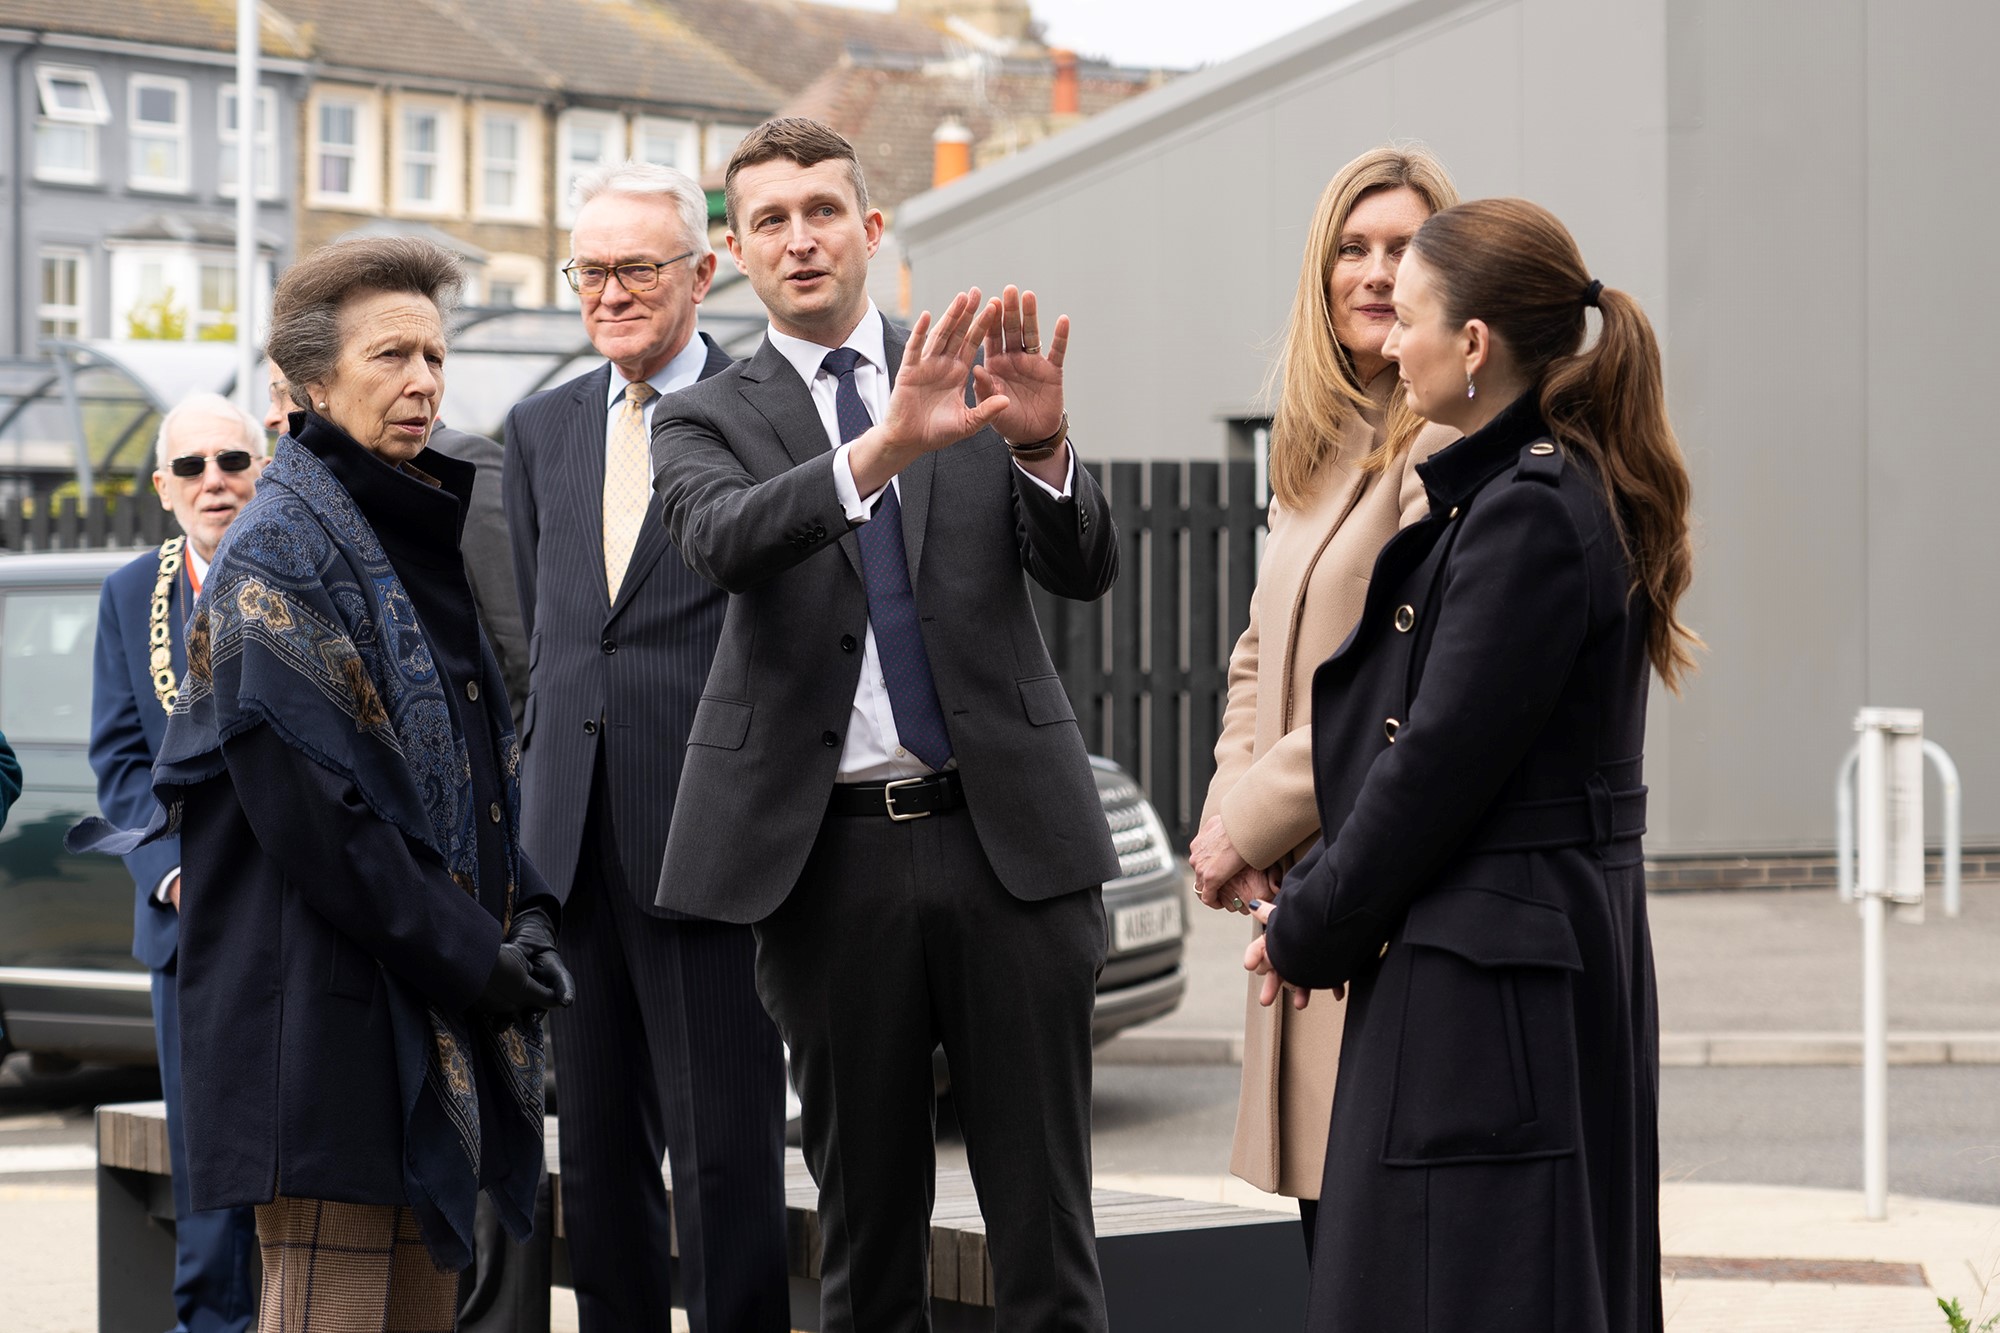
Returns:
(18, 204)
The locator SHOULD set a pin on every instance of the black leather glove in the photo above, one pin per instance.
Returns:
(536, 936)
(512, 988)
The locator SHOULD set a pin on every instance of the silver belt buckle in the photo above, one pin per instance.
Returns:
(889, 799)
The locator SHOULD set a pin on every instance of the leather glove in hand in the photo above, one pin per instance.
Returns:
(536, 936)
(512, 988)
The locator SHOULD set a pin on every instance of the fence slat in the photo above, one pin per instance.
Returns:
(1127, 687)
(1208, 652)
(1164, 735)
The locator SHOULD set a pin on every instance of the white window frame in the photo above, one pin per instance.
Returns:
(80, 309)
(718, 143)
(200, 316)
(524, 272)
(683, 135)
(444, 160)
(266, 144)
(363, 155)
(526, 205)
(614, 129)
(176, 133)
(98, 114)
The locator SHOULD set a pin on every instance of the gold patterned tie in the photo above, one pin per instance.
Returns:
(628, 483)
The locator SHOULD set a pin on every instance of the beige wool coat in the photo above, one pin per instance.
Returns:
(1310, 586)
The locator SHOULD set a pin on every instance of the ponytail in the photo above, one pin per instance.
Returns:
(1513, 265)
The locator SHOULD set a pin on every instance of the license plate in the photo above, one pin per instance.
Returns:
(1146, 924)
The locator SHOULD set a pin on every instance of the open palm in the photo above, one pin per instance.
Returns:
(927, 408)
(1019, 370)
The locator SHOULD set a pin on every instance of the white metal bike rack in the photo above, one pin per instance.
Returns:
(1953, 861)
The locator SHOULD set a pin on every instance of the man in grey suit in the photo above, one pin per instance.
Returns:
(885, 774)
(666, 1049)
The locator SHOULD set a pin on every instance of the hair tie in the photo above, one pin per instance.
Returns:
(1590, 292)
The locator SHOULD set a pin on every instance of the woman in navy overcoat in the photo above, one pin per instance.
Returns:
(1492, 1162)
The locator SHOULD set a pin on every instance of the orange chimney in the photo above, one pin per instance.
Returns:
(1062, 93)
(951, 152)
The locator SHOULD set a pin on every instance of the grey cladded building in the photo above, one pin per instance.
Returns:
(1801, 192)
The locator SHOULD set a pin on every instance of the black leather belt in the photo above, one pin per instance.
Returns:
(905, 798)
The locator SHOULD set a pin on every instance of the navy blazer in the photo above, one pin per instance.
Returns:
(126, 727)
(621, 678)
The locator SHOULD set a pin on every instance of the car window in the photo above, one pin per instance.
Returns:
(46, 642)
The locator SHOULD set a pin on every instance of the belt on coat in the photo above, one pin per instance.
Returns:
(1597, 818)
(905, 798)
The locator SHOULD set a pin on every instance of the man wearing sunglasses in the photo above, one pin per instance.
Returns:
(209, 454)
(667, 1050)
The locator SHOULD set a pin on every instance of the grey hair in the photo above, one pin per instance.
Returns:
(209, 406)
(640, 180)
(305, 310)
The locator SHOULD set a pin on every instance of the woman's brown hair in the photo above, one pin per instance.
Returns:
(1320, 392)
(1512, 265)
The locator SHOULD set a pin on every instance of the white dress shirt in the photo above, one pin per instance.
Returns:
(200, 568)
(872, 750)
(677, 374)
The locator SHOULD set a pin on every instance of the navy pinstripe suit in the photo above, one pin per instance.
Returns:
(667, 1048)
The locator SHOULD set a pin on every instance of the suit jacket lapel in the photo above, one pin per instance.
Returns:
(582, 466)
(915, 488)
(772, 387)
(653, 541)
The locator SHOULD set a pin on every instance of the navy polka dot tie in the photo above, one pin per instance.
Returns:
(892, 605)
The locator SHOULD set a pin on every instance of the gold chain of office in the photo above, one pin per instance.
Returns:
(158, 636)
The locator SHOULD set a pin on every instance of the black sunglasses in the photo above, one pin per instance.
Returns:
(193, 465)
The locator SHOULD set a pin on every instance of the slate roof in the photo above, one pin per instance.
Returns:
(791, 43)
(202, 25)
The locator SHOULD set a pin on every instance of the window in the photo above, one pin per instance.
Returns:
(265, 146)
(336, 146)
(508, 176)
(668, 143)
(427, 157)
(73, 106)
(514, 279)
(215, 303)
(722, 141)
(587, 139)
(159, 132)
(62, 311)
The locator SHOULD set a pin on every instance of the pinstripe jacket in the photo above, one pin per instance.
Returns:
(620, 679)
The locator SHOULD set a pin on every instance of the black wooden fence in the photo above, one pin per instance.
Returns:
(1146, 666)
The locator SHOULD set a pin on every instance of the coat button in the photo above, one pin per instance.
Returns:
(472, 690)
(1406, 616)
(493, 812)
(590, 726)
(608, 647)
(829, 739)
(1542, 450)
(847, 643)
(1390, 726)
(1385, 950)
(1453, 513)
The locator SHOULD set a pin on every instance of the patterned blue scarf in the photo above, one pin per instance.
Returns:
(304, 626)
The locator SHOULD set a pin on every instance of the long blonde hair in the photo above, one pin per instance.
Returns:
(1320, 393)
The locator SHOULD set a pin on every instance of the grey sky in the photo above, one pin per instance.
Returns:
(1178, 33)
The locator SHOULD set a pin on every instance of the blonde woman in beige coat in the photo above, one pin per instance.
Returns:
(1343, 480)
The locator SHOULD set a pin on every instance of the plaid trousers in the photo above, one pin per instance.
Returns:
(349, 1268)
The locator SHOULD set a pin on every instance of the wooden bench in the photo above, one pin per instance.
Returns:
(1168, 1264)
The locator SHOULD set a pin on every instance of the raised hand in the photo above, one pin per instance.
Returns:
(927, 409)
(1019, 372)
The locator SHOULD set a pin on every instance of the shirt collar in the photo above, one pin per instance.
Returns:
(1458, 470)
(805, 355)
(677, 374)
(198, 565)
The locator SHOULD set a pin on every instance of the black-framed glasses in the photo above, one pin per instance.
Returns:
(639, 276)
(193, 465)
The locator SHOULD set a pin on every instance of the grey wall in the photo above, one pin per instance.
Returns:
(1797, 190)
(81, 216)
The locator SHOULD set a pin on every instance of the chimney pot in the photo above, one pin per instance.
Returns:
(1062, 89)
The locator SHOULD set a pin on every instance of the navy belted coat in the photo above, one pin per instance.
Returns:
(1492, 1161)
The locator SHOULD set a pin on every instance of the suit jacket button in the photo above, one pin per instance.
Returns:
(819, 532)
(472, 690)
(590, 726)
(847, 643)
(829, 739)
(609, 647)
(1406, 618)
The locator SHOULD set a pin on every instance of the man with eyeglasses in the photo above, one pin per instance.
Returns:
(209, 454)
(667, 1049)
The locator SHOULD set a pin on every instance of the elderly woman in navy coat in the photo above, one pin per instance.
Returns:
(365, 954)
(1492, 1161)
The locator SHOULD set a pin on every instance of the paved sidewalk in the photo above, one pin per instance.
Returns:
(1745, 978)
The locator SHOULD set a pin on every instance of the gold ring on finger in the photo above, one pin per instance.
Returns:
(1031, 351)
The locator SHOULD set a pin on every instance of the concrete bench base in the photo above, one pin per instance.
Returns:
(1168, 1264)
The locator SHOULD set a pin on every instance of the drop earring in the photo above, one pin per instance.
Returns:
(1471, 389)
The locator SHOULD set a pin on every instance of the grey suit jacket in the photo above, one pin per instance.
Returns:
(743, 466)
